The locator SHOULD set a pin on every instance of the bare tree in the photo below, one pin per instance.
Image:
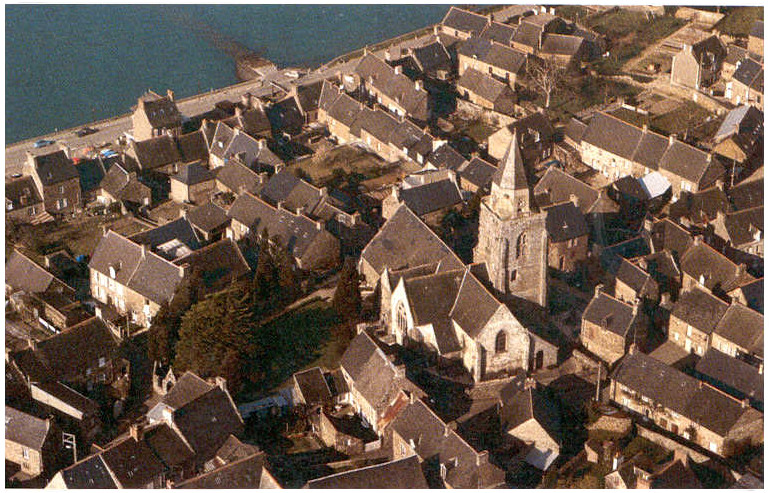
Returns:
(546, 76)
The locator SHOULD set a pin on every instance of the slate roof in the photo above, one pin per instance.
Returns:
(234, 175)
(701, 207)
(700, 309)
(474, 306)
(25, 429)
(21, 192)
(651, 148)
(742, 225)
(132, 463)
(431, 197)
(564, 222)
(493, 53)
(432, 296)
(187, 388)
(575, 130)
(245, 473)
(149, 275)
(610, 313)
(527, 34)
(167, 445)
(558, 186)
(345, 110)
(632, 276)
(734, 121)
(161, 111)
(155, 152)
(119, 183)
(193, 173)
(250, 151)
(54, 168)
(732, 373)
(178, 229)
(297, 232)
(667, 235)
(329, 93)
(312, 386)
(744, 327)
(89, 473)
(432, 57)
(233, 449)
(396, 474)
(716, 270)
(70, 352)
(193, 146)
(529, 404)
(219, 263)
(612, 134)
(221, 140)
(753, 293)
(750, 73)
(561, 44)
(501, 33)
(488, 88)
(757, 30)
(377, 73)
(23, 274)
(376, 122)
(511, 173)
(405, 241)
(446, 157)
(434, 441)
(689, 162)
(747, 194)
(464, 21)
(208, 217)
(477, 171)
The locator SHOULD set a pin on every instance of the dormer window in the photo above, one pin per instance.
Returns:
(702, 279)
(112, 271)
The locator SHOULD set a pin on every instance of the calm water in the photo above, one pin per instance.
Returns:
(68, 65)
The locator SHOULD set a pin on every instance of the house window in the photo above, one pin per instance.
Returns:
(401, 318)
(513, 275)
(520, 247)
(61, 189)
(713, 447)
(88, 372)
(102, 362)
(25, 453)
(689, 330)
(500, 345)
(625, 402)
(686, 435)
(675, 336)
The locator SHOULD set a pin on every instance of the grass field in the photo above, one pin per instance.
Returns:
(347, 159)
(739, 20)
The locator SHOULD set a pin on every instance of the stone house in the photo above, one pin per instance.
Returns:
(747, 84)
(633, 282)
(499, 32)
(532, 31)
(209, 221)
(432, 60)
(232, 143)
(565, 50)
(430, 201)
(23, 203)
(219, 264)
(236, 178)
(192, 183)
(533, 419)
(374, 128)
(156, 115)
(248, 472)
(737, 378)
(377, 387)
(741, 136)
(703, 266)
(489, 57)
(742, 230)
(684, 405)
(447, 460)
(616, 149)
(23, 274)
(694, 319)
(338, 111)
(132, 279)
(157, 155)
(756, 38)
(30, 442)
(475, 175)
(512, 234)
(750, 295)
(121, 185)
(740, 334)
(463, 24)
(344, 431)
(308, 242)
(403, 241)
(486, 92)
(698, 66)
(535, 137)
(390, 88)
(567, 237)
(734, 55)
(57, 180)
(311, 388)
(609, 326)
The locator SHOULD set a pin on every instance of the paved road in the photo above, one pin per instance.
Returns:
(109, 130)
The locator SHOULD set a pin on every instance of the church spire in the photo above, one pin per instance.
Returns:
(511, 174)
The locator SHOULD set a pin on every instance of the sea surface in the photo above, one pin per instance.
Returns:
(69, 65)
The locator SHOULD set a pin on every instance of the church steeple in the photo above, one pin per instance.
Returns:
(510, 188)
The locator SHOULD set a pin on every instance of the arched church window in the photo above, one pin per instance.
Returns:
(401, 320)
(500, 345)
(520, 246)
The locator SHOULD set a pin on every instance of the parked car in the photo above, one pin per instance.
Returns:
(85, 131)
(43, 142)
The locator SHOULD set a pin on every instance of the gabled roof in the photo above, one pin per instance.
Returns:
(376, 122)
(474, 306)
(193, 173)
(396, 474)
(732, 373)
(312, 386)
(245, 473)
(89, 473)
(168, 445)
(612, 134)
(235, 175)
(70, 352)
(488, 88)
(345, 110)
(432, 296)
(405, 241)
(528, 34)
(700, 309)
(559, 186)
(179, 229)
(564, 221)
(293, 192)
(717, 271)
(377, 73)
(465, 21)
(743, 327)
(561, 44)
(431, 197)
(21, 192)
(689, 162)
(54, 167)
(530, 404)
(132, 463)
(144, 272)
(610, 313)
(501, 33)
(432, 57)
(734, 121)
(493, 53)
(25, 429)
(753, 292)
(23, 274)
(161, 111)
(207, 217)
(187, 388)
(446, 157)
(193, 146)
(219, 263)
(477, 171)
(667, 235)
(633, 276)
(748, 193)
(155, 152)
(743, 226)
(221, 139)
(751, 74)
(575, 130)
(757, 29)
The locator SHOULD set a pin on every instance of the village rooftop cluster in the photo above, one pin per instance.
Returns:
(520, 248)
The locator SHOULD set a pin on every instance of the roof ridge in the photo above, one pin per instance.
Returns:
(225, 466)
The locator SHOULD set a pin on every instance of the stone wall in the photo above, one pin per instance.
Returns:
(471, 111)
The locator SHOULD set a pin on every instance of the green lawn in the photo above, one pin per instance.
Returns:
(739, 20)
(579, 93)
(687, 116)
(346, 160)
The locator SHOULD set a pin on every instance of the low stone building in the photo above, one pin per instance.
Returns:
(30, 442)
(193, 183)
(395, 474)
(534, 420)
(57, 181)
(740, 334)
(698, 66)
(609, 326)
(567, 237)
(462, 24)
(694, 318)
(756, 38)
(747, 84)
(156, 115)
(489, 57)
(23, 203)
(486, 92)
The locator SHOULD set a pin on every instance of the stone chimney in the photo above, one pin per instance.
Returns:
(482, 458)
(136, 431)
(398, 69)
(681, 455)
(418, 85)
(183, 213)
(221, 382)
(671, 139)
(31, 344)
(245, 100)
(645, 128)
(745, 403)
(574, 200)
(598, 289)
(170, 95)
(616, 460)
(144, 250)
(238, 111)
(632, 349)
(168, 415)
(529, 383)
